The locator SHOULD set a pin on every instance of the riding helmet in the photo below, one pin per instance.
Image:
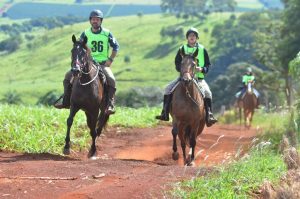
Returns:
(96, 13)
(192, 30)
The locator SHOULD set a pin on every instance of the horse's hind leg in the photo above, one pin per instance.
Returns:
(73, 111)
(91, 121)
(175, 154)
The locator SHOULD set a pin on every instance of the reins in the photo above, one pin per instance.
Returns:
(189, 95)
(97, 72)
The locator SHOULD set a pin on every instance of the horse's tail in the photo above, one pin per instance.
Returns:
(102, 121)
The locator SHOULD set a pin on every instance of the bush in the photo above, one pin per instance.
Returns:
(127, 59)
(12, 97)
(49, 98)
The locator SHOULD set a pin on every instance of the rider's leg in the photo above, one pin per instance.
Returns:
(210, 119)
(111, 90)
(167, 101)
(166, 108)
(257, 97)
(67, 92)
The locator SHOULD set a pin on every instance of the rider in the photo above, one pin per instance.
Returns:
(99, 41)
(247, 77)
(203, 64)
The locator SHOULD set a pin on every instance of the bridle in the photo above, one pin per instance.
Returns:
(193, 66)
(80, 62)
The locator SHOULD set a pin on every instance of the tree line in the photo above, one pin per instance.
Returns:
(14, 30)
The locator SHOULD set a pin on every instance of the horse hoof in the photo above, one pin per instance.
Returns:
(91, 155)
(66, 151)
(175, 155)
(94, 158)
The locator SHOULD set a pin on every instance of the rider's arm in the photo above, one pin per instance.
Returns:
(113, 42)
(206, 62)
(178, 60)
(115, 47)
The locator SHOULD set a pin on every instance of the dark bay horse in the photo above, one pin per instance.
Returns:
(87, 94)
(187, 110)
(248, 104)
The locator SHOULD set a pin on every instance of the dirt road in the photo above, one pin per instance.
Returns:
(133, 163)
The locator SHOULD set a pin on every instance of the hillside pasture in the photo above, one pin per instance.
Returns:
(34, 71)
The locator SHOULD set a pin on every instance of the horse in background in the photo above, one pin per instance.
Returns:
(248, 103)
(87, 94)
(187, 110)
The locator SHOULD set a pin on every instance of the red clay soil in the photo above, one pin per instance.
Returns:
(132, 163)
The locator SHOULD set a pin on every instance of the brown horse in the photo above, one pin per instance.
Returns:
(187, 110)
(87, 94)
(248, 104)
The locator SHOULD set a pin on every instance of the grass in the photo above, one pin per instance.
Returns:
(237, 180)
(42, 129)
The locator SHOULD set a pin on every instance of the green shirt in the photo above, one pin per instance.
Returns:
(200, 57)
(247, 78)
(98, 43)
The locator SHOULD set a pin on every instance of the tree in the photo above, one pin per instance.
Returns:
(190, 7)
(233, 41)
(278, 44)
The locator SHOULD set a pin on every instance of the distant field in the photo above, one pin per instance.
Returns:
(36, 10)
(33, 72)
(95, 1)
(254, 4)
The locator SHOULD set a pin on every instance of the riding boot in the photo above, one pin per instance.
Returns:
(210, 120)
(66, 96)
(257, 103)
(111, 101)
(166, 108)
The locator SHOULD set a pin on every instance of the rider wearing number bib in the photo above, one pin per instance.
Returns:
(203, 64)
(99, 41)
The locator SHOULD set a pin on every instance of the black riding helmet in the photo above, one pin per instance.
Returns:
(96, 13)
(192, 30)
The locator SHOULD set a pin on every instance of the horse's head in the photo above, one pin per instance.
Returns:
(188, 65)
(79, 55)
(250, 87)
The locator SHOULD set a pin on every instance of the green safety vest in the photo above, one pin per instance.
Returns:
(200, 57)
(247, 78)
(98, 43)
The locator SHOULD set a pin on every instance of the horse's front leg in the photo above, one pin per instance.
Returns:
(190, 161)
(92, 121)
(175, 154)
(73, 111)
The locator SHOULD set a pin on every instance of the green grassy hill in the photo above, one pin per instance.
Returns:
(34, 71)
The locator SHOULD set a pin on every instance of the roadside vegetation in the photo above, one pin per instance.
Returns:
(43, 129)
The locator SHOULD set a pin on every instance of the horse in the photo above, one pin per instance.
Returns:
(187, 110)
(87, 94)
(248, 104)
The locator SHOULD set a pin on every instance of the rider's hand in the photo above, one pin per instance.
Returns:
(108, 63)
(199, 69)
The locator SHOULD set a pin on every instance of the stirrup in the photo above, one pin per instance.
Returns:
(110, 110)
(60, 106)
(211, 120)
(160, 117)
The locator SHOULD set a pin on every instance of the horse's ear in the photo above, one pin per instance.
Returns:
(195, 54)
(85, 39)
(74, 39)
